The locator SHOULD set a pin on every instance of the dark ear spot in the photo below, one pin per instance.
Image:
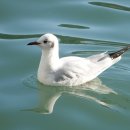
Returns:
(52, 45)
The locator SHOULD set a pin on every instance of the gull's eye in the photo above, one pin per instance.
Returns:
(45, 41)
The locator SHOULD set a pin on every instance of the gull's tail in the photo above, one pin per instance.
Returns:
(119, 53)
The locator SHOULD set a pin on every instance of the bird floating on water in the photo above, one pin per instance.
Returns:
(71, 70)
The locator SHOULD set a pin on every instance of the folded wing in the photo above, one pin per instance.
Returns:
(76, 71)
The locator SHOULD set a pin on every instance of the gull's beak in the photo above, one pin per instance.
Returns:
(33, 43)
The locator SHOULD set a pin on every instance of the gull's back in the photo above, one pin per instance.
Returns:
(76, 70)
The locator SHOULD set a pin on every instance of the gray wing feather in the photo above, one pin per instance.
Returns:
(62, 76)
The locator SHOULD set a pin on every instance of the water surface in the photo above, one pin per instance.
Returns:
(84, 28)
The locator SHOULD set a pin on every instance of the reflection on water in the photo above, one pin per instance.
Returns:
(48, 95)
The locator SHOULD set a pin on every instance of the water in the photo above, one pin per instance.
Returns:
(84, 28)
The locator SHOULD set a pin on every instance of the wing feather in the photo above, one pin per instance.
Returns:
(76, 70)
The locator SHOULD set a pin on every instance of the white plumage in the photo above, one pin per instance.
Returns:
(71, 70)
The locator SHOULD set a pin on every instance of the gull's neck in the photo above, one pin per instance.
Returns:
(49, 60)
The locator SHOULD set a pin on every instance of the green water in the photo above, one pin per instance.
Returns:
(84, 27)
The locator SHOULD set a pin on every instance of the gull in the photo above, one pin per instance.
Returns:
(70, 70)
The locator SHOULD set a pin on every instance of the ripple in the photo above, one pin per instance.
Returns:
(65, 39)
(16, 36)
(111, 5)
(123, 67)
(86, 52)
(73, 26)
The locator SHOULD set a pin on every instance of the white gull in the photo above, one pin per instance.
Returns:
(71, 70)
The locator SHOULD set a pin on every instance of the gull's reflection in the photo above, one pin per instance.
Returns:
(48, 95)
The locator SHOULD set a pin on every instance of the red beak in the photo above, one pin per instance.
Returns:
(33, 43)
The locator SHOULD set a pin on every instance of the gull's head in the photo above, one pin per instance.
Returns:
(47, 41)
